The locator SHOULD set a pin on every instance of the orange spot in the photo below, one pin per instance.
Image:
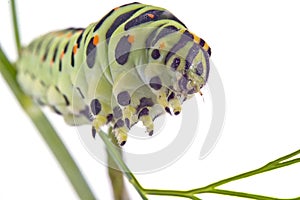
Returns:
(62, 55)
(75, 49)
(205, 47)
(196, 39)
(151, 16)
(96, 40)
(69, 35)
(130, 39)
(162, 45)
(116, 8)
(51, 63)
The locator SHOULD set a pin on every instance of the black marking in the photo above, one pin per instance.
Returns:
(117, 112)
(39, 45)
(155, 83)
(95, 106)
(32, 76)
(144, 102)
(171, 96)
(118, 21)
(122, 50)
(144, 111)
(123, 143)
(167, 109)
(73, 29)
(55, 53)
(86, 112)
(109, 118)
(175, 63)
(129, 4)
(144, 18)
(151, 133)
(155, 54)
(80, 93)
(183, 82)
(127, 122)
(91, 53)
(191, 91)
(40, 102)
(164, 32)
(57, 89)
(72, 59)
(47, 49)
(56, 110)
(185, 38)
(60, 65)
(66, 100)
(194, 50)
(202, 43)
(87, 34)
(209, 51)
(79, 39)
(66, 47)
(42, 83)
(119, 123)
(94, 132)
(150, 37)
(199, 69)
(124, 98)
(177, 112)
(102, 20)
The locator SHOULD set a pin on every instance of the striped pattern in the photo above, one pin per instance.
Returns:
(93, 75)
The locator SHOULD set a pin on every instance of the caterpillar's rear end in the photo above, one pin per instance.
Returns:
(135, 64)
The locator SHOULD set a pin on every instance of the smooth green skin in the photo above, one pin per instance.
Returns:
(107, 78)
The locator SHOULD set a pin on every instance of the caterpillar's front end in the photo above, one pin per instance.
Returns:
(170, 65)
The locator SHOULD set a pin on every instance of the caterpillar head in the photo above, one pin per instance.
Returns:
(187, 56)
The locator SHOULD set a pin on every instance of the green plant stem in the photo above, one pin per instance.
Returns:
(113, 151)
(46, 130)
(211, 188)
(115, 174)
(16, 27)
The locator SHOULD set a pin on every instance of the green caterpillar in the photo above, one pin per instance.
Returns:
(136, 63)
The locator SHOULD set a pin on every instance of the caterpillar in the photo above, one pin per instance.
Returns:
(135, 64)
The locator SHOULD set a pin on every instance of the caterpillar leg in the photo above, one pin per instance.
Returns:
(120, 129)
(163, 100)
(145, 117)
(175, 103)
(120, 132)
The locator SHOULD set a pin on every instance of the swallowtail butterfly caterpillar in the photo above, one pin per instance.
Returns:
(136, 63)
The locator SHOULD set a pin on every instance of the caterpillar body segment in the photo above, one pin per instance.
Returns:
(135, 64)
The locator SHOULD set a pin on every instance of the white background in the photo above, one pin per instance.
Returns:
(255, 46)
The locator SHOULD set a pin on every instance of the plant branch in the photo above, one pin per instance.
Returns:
(113, 151)
(46, 130)
(115, 174)
(211, 188)
(16, 27)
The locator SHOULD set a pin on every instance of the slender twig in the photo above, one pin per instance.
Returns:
(16, 27)
(211, 188)
(115, 174)
(113, 151)
(46, 130)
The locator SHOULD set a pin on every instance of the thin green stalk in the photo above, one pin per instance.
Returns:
(16, 27)
(46, 130)
(113, 151)
(115, 174)
(211, 188)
